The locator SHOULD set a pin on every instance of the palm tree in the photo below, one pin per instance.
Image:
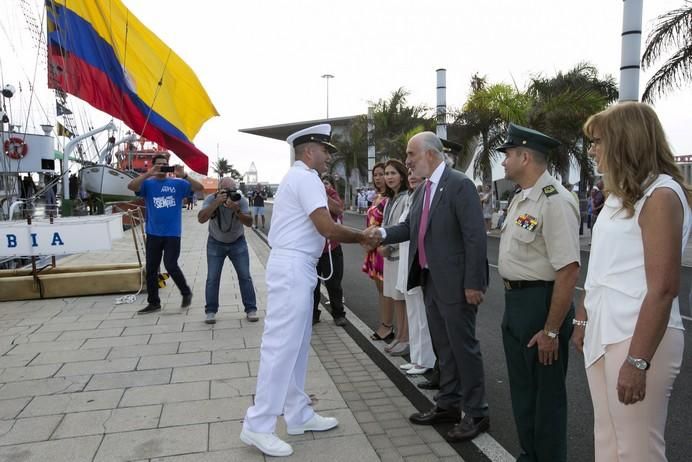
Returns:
(222, 167)
(395, 122)
(559, 107)
(482, 122)
(352, 153)
(673, 30)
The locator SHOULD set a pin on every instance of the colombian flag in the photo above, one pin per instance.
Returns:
(101, 53)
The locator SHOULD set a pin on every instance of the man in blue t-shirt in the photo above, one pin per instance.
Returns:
(163, 196)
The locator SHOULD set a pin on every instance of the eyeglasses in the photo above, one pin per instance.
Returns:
(594, 142)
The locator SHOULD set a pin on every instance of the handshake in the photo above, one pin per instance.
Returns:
(371, 237)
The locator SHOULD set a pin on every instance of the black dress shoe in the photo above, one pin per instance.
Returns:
(187, 300)
(435, 416)
(150, 308)
(468, 428)
(429, 385)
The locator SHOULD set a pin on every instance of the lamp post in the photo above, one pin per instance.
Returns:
(327, 77)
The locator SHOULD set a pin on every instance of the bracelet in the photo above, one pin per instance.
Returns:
(580, 323)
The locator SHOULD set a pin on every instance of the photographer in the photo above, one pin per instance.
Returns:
(227, 211)
(163, 196)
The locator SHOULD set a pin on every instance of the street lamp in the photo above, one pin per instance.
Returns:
(327, 77)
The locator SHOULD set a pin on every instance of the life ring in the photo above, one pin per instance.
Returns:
(15, 148)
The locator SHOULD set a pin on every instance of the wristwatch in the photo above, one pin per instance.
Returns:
(552, 334)
(639, 363)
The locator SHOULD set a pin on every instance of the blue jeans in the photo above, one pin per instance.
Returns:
(237, 252)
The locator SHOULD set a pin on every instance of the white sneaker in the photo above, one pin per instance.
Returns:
(268, 443)
(407, 366)
(417, 370)
(316, 424)
(211, 318)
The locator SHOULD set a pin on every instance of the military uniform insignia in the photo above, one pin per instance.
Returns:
(527, 222)
(549, 190)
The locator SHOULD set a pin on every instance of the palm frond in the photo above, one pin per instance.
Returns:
(672, 74)
(674, 29)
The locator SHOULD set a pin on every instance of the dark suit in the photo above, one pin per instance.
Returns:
(456, 251)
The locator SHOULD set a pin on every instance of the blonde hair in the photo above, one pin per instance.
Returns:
(635, 151)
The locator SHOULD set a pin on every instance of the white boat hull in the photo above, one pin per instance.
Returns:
(109, 183)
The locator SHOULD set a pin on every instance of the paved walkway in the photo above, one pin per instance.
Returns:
(84, 379)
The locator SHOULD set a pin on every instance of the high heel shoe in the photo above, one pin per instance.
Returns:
(376, 337)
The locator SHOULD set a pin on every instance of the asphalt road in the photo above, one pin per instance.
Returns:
(361, 298)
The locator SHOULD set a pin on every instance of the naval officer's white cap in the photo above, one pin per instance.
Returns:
(321, 134)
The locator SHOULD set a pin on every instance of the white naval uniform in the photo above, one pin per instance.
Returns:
(291, 276)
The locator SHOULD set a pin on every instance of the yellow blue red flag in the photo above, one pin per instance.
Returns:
(101, 53)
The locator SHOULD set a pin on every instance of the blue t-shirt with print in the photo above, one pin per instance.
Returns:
(164, 201)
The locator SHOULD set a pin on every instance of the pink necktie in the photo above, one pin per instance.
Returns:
(423, 227)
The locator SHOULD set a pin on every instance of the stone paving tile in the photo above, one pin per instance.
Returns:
(143, 350)
(174, 360)
(116, 341)
(241, 454)
(10, 408)
(160, 394)
(213, 345)
(129, 379)
(210, 372)
(43, 387)
(27, 430)
(153, 329)
(144, 444)
(98, 367)
(60, 357)
(67, 450)
(213, 410)
(192, 336)
(67, 326)
(16, 374)
(38, 347)
(229, 388)
(341, 449)
(94, 333)
(72, 402)
(108, 421)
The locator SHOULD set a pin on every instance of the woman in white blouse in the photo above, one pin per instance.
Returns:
(629, 323)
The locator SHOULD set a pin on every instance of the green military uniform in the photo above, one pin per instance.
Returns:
(539, 236)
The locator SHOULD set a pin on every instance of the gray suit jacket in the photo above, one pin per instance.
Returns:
(455, 240)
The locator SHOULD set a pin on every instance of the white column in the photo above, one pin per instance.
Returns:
(441, 110)
(371, 141)
(630, 59)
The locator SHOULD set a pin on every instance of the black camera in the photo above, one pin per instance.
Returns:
(232, 194)
(167, 169)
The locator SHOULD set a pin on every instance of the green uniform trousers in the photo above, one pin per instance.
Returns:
(538, 392)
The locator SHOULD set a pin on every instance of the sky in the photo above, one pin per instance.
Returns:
(261, 62)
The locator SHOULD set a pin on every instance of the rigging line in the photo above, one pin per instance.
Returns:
(158, 88)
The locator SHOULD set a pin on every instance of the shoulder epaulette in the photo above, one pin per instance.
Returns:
(549, 190)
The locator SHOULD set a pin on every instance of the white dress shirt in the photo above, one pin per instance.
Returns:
(300, 193)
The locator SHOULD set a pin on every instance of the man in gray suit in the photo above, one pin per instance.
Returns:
(448, 259)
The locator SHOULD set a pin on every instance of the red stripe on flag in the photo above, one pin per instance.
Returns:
(78, 78)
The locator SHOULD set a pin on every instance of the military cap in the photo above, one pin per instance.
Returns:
(321, 134)
(518, 136)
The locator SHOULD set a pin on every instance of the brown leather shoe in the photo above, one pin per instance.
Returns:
(435, 416)
(468, 428)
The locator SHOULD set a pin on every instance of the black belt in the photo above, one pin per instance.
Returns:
(516, 285)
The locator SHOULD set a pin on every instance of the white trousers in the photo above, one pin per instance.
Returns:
(634, 433)
(291, 278)
(420, 342)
